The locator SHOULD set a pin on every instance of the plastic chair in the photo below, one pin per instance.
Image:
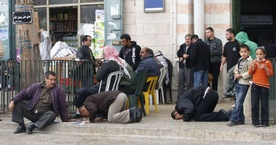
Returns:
(116, 77)
(152, 80)
(162, 75)
(137, 84)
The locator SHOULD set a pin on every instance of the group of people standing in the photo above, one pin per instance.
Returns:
(246, 65)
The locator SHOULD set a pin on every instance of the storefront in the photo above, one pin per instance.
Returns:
(5, 28)
(63, 18)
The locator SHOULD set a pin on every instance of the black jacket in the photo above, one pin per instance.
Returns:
(126, 54)
(180, 52)
(106, 68)
(84, 53)
(200, 56)
(188, 102)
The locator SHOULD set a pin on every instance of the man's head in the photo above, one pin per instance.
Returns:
(83, 111)
(50, 79)
(145, 52)
(194, 38)
(176, 116)
(209, 33)
(126, 40)
(230, 34)
(188, 40)
(86, 40)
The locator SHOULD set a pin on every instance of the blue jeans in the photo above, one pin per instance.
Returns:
(237, 113)
(201, 78)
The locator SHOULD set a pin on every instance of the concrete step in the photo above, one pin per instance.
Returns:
(160, 126)
(93, 139)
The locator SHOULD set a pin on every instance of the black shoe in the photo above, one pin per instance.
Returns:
(20, 129)
(76, 116)
(31, 128)
(139, 114)
(257, 125)
(265, 125)
(231, 123)
(224, 114)
(132, 113)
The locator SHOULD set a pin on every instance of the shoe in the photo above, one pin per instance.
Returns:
(0, 119)
(257, 125)
(233, 106)
(30, 128)
(228, 95)
(230, 123)
(20, 129)
(265, 125)
(132, 114)
(139, 114)
(76, 116)
(224, 114)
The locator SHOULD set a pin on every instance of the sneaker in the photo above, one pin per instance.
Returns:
(228, 95)
(265, 125)
(233, 106)
(230, 123)
(257, 125)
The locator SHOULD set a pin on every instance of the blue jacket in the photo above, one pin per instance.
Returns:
(150, 64)
(33, 93)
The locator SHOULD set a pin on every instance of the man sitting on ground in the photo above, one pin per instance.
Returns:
(46, 100)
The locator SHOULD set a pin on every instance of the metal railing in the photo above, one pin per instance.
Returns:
(16, 76)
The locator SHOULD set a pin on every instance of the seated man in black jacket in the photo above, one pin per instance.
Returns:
(199, 103)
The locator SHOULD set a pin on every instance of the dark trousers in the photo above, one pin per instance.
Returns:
(83, 93)
(40, 121)
(259, 93)
(214, 70)
(204, 111)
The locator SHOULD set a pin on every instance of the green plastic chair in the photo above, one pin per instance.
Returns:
(137, 85)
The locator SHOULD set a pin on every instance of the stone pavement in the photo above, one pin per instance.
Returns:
(155, 128)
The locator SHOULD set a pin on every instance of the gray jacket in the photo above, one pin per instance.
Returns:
(246, 77)
(215, 49)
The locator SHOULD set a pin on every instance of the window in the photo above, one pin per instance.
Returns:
(62, 1)
(88, 13)
(87, 1)
(39, 2)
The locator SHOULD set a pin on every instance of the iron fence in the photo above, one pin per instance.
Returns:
(16, 76)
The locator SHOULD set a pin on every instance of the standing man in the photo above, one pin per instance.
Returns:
(130, 51)
(200, 61)
(215, 46)
(85, 53)
(112, 105)
(230, 56)
(185, 74)
(46, 100)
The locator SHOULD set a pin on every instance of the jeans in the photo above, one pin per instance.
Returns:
(201, 78)
(237, 113)
(259, 93)
(230, 83)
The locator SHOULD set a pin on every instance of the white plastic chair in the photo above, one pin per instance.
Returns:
(117, 75)
(162, 75)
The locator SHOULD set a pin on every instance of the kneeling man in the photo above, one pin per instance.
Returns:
(112, 105)
(199, 103)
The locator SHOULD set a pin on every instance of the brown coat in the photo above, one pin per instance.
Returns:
(99, 103)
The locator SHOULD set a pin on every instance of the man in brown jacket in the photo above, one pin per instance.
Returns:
(112, 105)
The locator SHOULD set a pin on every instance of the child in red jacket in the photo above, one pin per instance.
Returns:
(261, 69)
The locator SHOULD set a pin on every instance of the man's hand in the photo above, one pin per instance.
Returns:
(238, 76)
(221, 67)
(11, 106)
(185, 56)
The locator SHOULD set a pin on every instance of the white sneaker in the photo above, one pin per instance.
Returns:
(233, 106)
